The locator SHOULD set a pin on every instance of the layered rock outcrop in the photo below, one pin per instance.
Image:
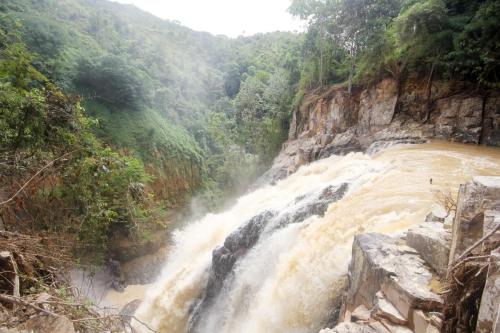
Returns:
(242, 240)
(333, 122)
(402, 284)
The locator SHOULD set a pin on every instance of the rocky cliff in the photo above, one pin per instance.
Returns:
(441, 276)
(331, 121)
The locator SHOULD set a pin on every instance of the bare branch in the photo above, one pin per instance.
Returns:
(33, 177)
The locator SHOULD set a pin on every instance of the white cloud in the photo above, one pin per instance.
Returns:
(227, 17)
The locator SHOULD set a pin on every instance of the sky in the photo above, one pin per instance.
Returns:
(226, 17)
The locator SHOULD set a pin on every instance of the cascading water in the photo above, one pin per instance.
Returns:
(273, 262)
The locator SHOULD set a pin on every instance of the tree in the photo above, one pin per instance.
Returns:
(113, 80)
(423, 37)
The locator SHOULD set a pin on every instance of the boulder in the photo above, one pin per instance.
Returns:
(379, 263)
(432, 217)
(489, 311)
(423, 323)
(45, 324)
(129, 309)
(474, 199)
(384, 310)
(432, 241)
(350, 328)
(361, 314)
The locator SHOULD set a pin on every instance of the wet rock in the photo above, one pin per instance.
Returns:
(360, 314)
(45, 324)
(385, 310)
(312, 204)
(433, 243)
(239, 242)
(489, 312)
(118, 280)
(223, 260)
(342, 144)
(235, 246)
(423, 323)
(432, 217)
(129, 309)
(474, 198)
(293, 154)
(378, 263)
(349, 328)
(384, 144)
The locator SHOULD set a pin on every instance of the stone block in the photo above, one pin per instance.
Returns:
(489, 311)
(474, 199)
(432, 241)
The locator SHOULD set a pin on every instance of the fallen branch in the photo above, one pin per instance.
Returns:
(16, 300)
(121, 316)
(33, 177)
(463, 261)
(476, 244)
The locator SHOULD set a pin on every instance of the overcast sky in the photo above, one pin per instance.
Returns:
(227, 17)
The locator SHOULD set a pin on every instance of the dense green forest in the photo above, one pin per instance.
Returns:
(359, 41)
(163, 113)
(128, 115)
(165, 93)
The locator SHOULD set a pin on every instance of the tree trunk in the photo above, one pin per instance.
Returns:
(428, 98)
(321, 52)
(351, 71)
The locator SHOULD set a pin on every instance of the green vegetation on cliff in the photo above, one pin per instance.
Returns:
(165, 93)
(138, 114)
(357, 41)
(83, 189)
(164, 113)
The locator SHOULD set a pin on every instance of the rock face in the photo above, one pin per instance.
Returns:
(390, 277)
(474, 198)
(393, 282)
(491, 121)
(489, 312)
(460, 118)
(330, 121)
(433, 243)
(388, 289)
(377, 106)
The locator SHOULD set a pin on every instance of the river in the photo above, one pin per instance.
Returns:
(286, 282)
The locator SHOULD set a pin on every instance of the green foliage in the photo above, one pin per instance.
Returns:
(153, 85)
(455, 39)
(476, 43)
(93, 182)
(113, 81)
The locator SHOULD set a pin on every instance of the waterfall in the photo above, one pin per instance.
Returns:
(276, 261)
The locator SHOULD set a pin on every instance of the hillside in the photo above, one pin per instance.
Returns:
(161, 90)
